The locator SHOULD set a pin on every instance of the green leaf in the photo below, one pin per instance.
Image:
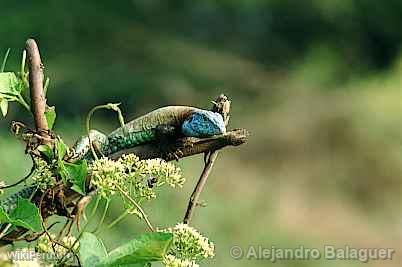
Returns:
(3, 65)
(76, 174)
(4, 106)
(147, 248)
(26, 215)
(92, 250)
(61, 149)
(8, 97)
(4, 218)
(62, 171)
(47, 151)
(9, 83)
(46, 86)
(50, 115)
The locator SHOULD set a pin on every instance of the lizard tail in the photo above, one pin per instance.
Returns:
(10, 203)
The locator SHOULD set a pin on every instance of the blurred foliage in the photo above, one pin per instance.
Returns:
(139, 50)
(317, 82)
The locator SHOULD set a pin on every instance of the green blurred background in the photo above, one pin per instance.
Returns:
(318, 83)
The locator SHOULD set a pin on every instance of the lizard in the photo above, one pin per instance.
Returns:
(165, 122)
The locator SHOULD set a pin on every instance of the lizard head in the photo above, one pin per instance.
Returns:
(203, 123)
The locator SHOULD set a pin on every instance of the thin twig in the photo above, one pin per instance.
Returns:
(31, 237)
(103, 217)
(88, 121)
(38, 100)
(70, 227)
(63, 228)
(118, 219)
(50, 238)
(143, 214)
(3, 233)
(20, 181)
(68, 248)
(199, 187)
(222, 106)
(43, 221)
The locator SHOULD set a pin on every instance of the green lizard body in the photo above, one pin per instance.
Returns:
(142, 130)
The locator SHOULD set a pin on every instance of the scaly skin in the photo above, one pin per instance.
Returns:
(170, 115)
(190, 121)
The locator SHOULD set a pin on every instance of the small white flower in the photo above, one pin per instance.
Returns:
(188, 246)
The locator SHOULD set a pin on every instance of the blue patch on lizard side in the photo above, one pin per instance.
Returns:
(203, 123)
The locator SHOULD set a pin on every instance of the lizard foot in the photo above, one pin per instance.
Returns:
(187, 142)
(175, 154)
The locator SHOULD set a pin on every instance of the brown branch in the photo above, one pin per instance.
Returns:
(38, 108)
(38, 100)
(187, 146)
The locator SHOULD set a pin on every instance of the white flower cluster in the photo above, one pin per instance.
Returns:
(172, 261)
(165, 171)
(188, 247)
(162, 171)
(137, 177)
(106, 176)
(43, 175)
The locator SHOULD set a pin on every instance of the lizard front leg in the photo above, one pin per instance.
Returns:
(166, 136)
